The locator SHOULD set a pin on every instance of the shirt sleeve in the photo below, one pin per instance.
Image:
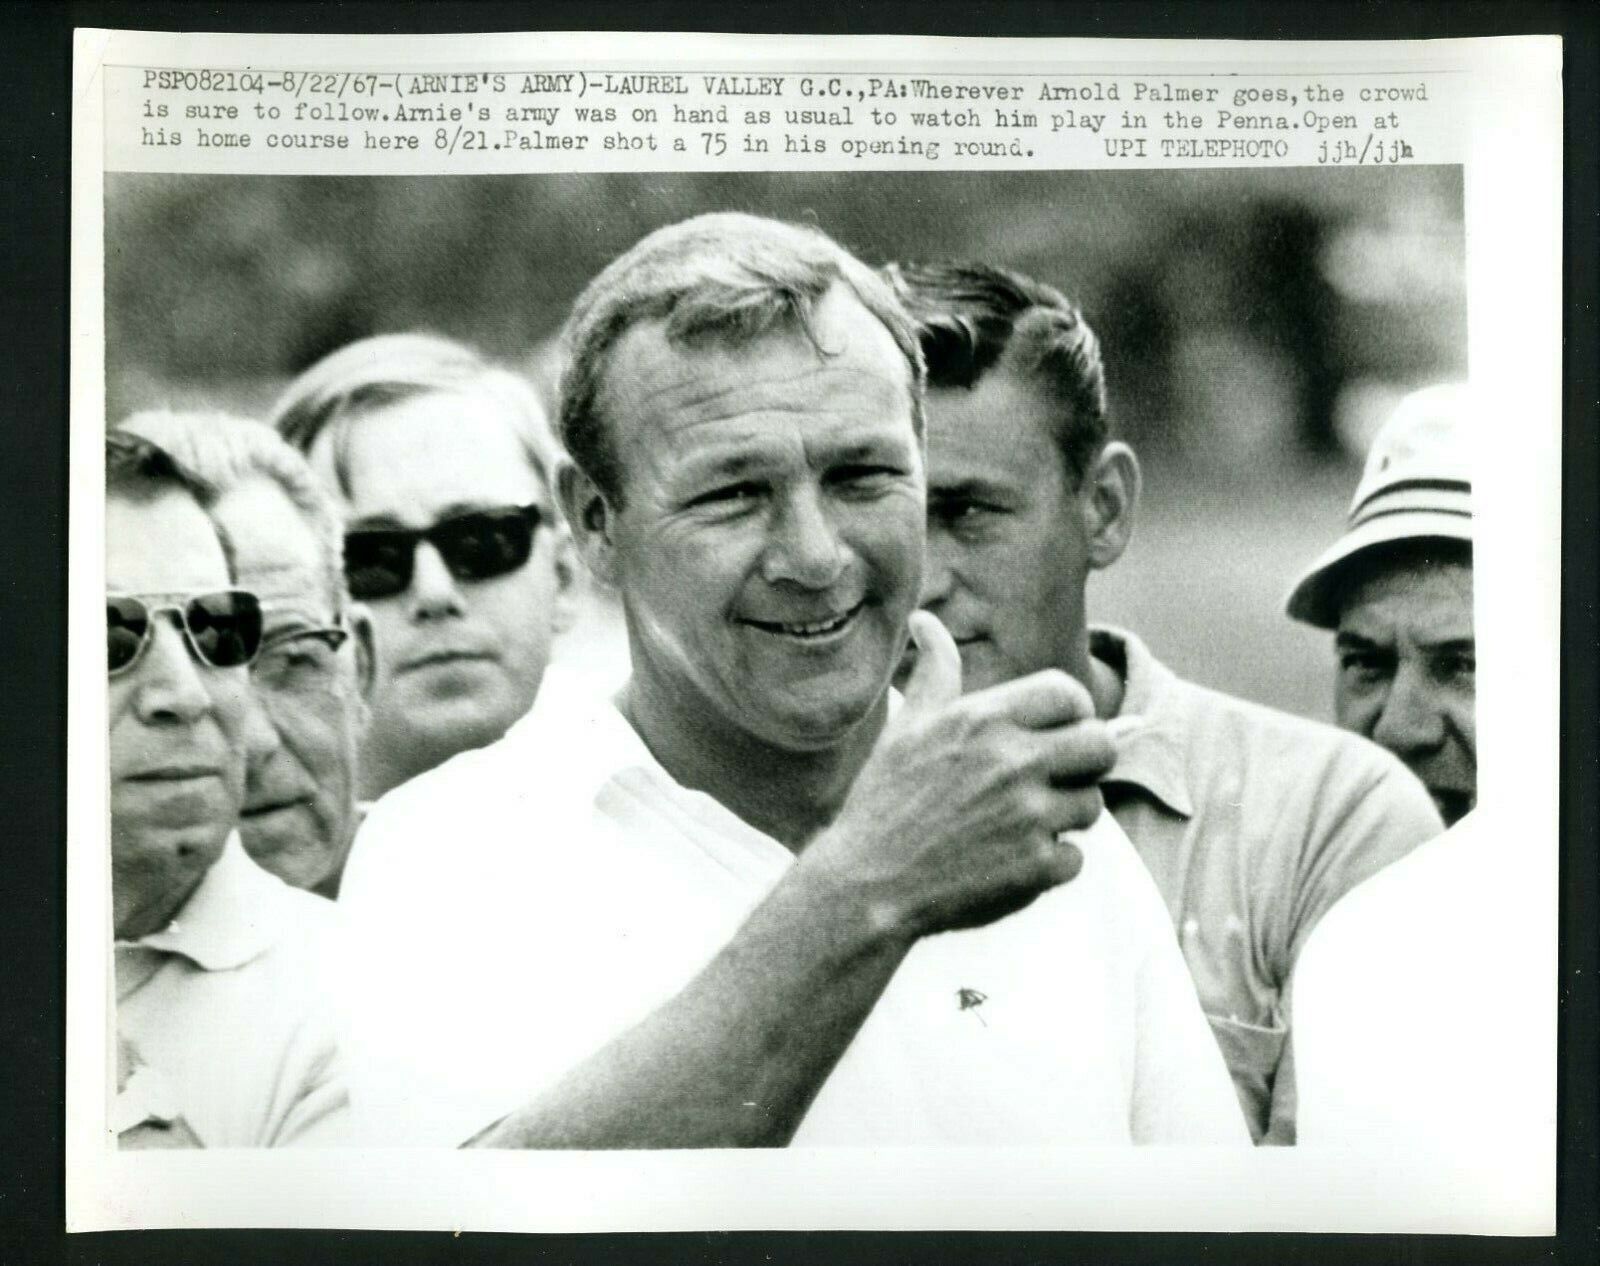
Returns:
(1370, 812)
(1368, 821)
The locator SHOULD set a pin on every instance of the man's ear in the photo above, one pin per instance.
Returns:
(361, 634)
(589, 519)
(1109, 496)
(568, 580)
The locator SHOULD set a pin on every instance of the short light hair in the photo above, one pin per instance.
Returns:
(224, 451)
(974, 319)
(373, 373)
(725, 277)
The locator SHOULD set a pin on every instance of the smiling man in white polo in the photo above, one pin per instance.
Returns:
(703, 913)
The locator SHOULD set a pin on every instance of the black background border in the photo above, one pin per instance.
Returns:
(35, 62)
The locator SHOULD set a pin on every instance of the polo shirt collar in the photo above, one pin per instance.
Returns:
(1152, 756)
(574, 724)
(597, 747)
(231, 918)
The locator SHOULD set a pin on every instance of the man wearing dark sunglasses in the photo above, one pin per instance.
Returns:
(223, 1036)
(441, 465)
(315, 666)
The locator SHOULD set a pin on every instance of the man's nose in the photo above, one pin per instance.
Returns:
(804, 548)
(261, 741)
(1409, 720)
(434, 592)
(171, 688)
(938, 577)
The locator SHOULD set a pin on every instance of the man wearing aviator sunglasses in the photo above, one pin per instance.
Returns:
(221, 629)
(222, 1036)
(441, 466)
(314, 668)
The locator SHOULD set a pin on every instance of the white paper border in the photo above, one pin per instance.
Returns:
(1513, 216)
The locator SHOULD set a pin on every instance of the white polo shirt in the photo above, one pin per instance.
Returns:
(517, 908)
(229, 1014)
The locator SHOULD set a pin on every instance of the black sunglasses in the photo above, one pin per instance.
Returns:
(223, 629)
(478, 545)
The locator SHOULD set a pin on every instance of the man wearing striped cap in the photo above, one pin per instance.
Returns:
(1396, 590)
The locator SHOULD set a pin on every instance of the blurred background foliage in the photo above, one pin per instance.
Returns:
(1258, 324)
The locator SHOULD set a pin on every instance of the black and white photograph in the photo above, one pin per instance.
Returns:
(912, 666)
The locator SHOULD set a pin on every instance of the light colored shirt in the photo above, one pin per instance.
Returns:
(1425, 1007)
(1253, 823)
(519, 907)
(228, 1011)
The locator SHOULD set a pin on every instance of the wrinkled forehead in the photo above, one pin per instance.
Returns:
(844, 367)
(162, 543)
(276, 550)
(1415, 599)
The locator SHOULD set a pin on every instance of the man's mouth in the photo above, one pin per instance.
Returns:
(808, 630)
(175, 773)
(435, 659)
(264, 808)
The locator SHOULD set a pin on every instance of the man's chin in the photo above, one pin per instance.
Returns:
(293, 852)
(815, 727)
(469, 718)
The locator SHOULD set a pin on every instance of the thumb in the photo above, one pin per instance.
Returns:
(936, 676)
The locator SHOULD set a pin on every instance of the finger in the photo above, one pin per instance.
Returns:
(1038, 701)
(1081, 753)
(1067, 863)
(936, 676)
(1076, 809)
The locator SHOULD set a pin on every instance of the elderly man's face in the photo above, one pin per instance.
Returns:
(299, 807)
(1407, 674)
(458, 660)
(769, 545)
(178, 726)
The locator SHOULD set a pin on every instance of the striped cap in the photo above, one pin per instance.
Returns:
(1417, 484)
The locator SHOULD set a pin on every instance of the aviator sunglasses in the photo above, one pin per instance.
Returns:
(477, 545)
(222, 628)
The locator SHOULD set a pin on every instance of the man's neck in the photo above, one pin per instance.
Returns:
(1103, 680)
(1106, 686)
(789, 795)
(385, 766)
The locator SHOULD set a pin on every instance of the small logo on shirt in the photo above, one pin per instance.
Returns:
(971, 1000)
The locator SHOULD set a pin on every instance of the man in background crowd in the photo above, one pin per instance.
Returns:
(315, 664)
(222, 1038)
(669, 915)
(1397, 591)
(441, 465)
(1252, 822)
(1460, 1059)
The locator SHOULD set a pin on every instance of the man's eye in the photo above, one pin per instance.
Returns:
(295, 659)
(951, 513)
(1362, 664)
(861, 476)
(1460, 668)
(728, 495)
